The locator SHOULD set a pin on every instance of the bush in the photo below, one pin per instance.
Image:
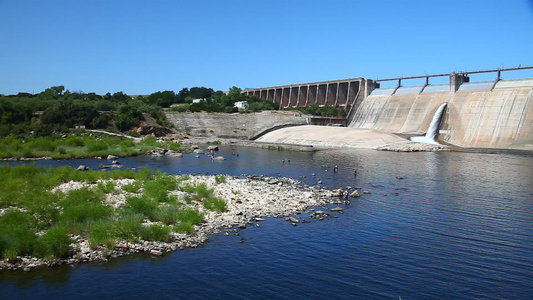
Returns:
(95, 146)
(74, 141)
(158, 188)
(168, 214)
(141, 205)
(155, 232)
(133, 187)
(185, 227)
(101, 233)
(220, 179)
(143, 174)
(54, 243)
(86, 212)
(16, 236)
(191, 216)
(107, 187)
(215, 204)
(129, 225)
(82, 196)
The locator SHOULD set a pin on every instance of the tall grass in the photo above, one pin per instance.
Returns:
(16, 235)
(53, 243)
(220, 179)
(215, 204)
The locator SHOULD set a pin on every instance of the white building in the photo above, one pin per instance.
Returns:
(241, 105)
(198, 100)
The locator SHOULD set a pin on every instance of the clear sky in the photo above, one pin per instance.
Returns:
(141, 47)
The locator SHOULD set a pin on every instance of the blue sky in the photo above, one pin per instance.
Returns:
(141, 47)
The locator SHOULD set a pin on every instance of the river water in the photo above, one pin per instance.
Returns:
(455, 226)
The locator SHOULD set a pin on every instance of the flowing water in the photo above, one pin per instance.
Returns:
(433, 129)
(456, 225)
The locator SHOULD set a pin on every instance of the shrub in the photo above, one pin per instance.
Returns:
(16, 236)
(203, 191)
(107, 187)
(61, 150)
(175, 147)
(53, 243)
(167, 214)
(141, 205)
(143, 174)
(102, 233)
(220, 179)
(42, 144)
(82, 196)
(85, 212)
(95, 146)
(215, 204)
(129, 225)
(158, 189)
(155, 232)
(185, 227)
(133, 187)
(74, 141)
(191, 216)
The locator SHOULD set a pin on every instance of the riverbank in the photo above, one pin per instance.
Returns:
(248, 200)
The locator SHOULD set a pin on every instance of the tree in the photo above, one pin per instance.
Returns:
(127, 117)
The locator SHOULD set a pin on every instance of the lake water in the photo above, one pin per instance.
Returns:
(457, 226)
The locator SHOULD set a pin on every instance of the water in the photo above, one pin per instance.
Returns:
(433, 130)
(458, 225)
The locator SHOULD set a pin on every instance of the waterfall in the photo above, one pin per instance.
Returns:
(433, 130)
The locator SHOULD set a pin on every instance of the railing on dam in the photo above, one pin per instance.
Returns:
(457, 79)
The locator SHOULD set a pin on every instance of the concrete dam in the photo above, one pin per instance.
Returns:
(488, 114)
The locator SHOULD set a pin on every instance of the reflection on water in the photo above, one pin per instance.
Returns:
(458, 225)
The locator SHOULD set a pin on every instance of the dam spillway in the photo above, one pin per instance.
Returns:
(481, 114)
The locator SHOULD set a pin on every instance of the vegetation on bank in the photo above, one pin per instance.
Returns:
(83, 144)
(321, 111)
(221, 102)
(37, 221)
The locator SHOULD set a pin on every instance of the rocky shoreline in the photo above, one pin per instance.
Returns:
(250, 199)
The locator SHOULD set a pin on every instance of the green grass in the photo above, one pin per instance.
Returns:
(168, 215)
(141, 205)
(155, 232)
(133, 187)
(102, 233)
(53, 243)
(16, 234)
(57, 215)
(215, 204)
(220, 179)
(78, 146)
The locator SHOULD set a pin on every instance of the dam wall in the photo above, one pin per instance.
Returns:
(479, 114)
(234, 126)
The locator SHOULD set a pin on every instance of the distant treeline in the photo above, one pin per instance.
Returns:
(55, 110)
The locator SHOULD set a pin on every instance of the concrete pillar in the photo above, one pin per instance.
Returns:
(342, 94)
(321, 94)
(331, 94)
(456, 80)
(370, 85)
(308, 95)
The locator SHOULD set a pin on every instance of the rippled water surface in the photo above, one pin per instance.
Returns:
(458, 225)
